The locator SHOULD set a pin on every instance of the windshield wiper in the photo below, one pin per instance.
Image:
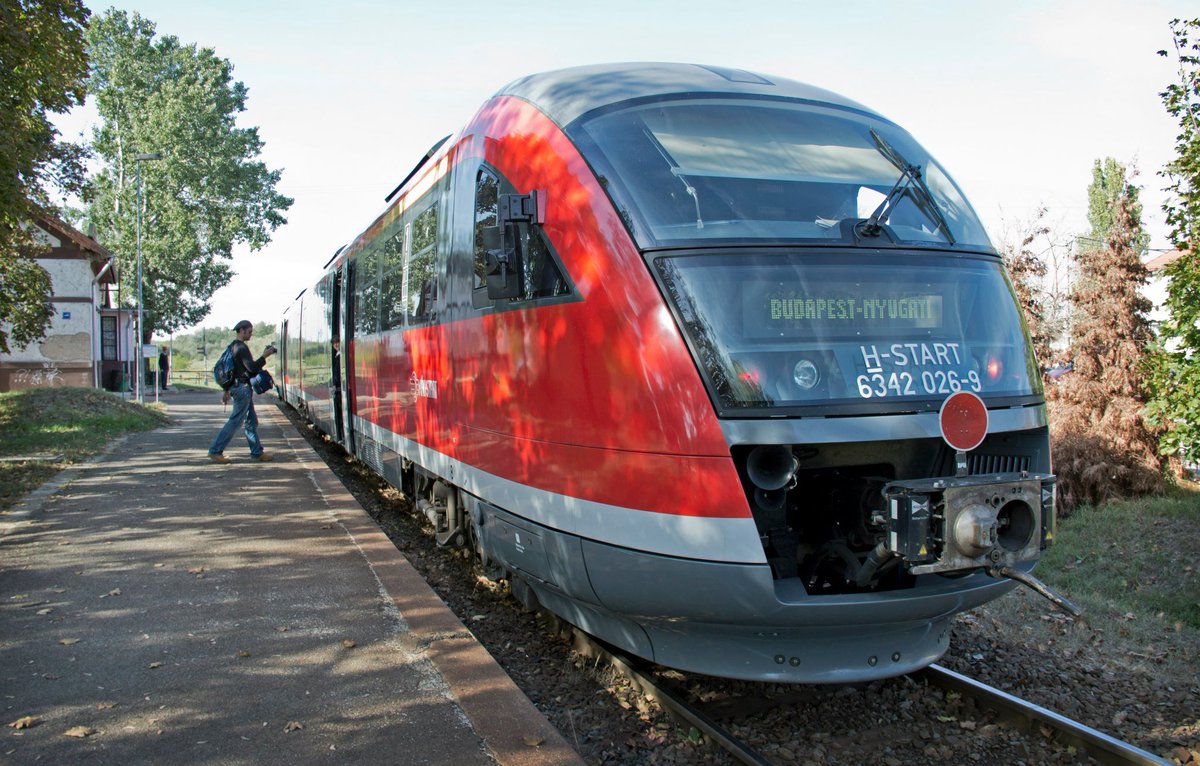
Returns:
(910, 178)
(678, 173)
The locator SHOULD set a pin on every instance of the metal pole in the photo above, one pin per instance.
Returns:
(141, 329)
(138, 344)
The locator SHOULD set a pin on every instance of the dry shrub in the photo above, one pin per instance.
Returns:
(1092, 470)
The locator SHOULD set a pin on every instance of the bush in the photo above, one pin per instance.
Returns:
(1092, 470)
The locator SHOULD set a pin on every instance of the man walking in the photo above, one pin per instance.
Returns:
(245, 367)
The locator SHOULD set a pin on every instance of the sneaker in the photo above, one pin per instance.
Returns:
(218, 457)
(264, 457)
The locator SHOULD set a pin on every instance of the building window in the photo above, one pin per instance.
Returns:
(108, 339)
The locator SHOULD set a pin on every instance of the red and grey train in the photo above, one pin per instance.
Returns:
(671, 347)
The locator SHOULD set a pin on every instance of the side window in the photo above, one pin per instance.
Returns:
(542, 276)
(487, 218)
(420, 283)
(392, 294)
(366, 292)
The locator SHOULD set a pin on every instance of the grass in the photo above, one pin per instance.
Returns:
(1132, 565)
(1133, 557)
(60, 426)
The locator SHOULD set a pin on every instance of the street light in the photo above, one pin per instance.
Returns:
(138, 159)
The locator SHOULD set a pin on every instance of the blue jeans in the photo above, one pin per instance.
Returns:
(243, 410)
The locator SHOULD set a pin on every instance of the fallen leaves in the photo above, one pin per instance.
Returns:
(155, 665)
(291, 726)
(349, 643)
(243, 654)
(68, 641)
(533, 741)
(80, 731)
(113, 592)
(28, 722)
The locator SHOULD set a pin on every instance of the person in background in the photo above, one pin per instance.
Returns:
(245, 367)
(164, 367)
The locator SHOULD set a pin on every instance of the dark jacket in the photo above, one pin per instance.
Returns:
(245, 365)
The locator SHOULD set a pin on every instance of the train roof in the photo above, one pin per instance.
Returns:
(566, 94)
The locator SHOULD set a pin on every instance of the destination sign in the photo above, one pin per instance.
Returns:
(773, 310)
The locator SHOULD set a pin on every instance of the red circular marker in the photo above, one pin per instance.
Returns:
(964, 421)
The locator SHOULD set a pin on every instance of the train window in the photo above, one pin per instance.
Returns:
(542, 277)
(487, 217)
(703, 170)
(366, 292)
(421, 255)
(392, 292)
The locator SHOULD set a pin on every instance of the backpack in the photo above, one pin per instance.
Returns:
(224, 370)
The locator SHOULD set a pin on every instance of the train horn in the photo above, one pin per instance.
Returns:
(771, 467)
(770, 499)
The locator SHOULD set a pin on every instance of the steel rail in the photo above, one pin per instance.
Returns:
(1105, 749)
(675, 704)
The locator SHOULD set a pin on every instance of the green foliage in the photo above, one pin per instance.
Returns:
(207, 195)
(42, 71)
(190, 350)
(1110, 180)
(1175, 368)
(24, 300)
(69, 423)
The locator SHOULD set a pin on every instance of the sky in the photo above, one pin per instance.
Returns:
(1016, 99)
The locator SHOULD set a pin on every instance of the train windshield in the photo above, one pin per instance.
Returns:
(700, 171)
(888, 330)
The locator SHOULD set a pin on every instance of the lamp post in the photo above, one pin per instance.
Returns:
(138, 160)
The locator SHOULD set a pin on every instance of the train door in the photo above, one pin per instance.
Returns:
(335, 360)
(281, 369)
(344, 303)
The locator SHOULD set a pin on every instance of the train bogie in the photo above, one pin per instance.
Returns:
(688, 354)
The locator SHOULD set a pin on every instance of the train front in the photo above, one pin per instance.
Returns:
(865, 356)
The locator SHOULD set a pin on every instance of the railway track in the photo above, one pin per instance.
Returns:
(1034, 718)
(1018, 713)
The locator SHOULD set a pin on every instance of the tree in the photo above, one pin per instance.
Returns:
(1039, 267)
(1097, 413)
(42, 71)
(1109, 184)
(207, 195)
(1175, 369)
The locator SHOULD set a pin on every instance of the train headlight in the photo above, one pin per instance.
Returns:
(806, 374)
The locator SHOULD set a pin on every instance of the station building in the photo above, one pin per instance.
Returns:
(90, 341)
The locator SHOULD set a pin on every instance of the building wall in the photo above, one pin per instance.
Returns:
(66, 356)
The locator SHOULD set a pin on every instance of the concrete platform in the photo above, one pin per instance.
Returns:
(158, 608)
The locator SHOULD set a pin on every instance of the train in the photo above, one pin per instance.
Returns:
(720, 367)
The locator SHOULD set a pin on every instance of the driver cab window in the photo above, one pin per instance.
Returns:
(541, 274)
